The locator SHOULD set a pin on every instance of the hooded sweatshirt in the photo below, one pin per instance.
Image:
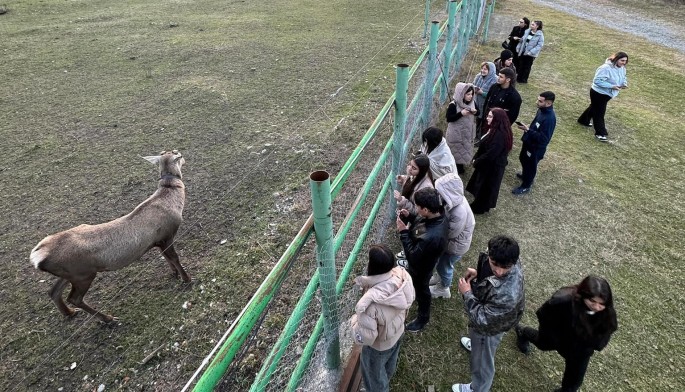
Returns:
(484, 83)
(607, 76)
(380, 313)
(461, 130)
(442, 161)
(458, 211)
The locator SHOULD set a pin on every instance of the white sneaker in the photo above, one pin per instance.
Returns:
(402, 263)
(435, 279)
(400, 255)
(466, 342)
(462, 388)
(440, 291)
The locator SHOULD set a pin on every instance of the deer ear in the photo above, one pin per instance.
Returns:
(154, 159)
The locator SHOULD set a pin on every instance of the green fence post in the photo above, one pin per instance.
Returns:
(426, 17)
(447, 61)
(463, 32)
(320, 184)
(430, 75)
(486, 27)
(401, 86)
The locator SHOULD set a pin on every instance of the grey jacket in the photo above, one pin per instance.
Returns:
(494, 305)
(458, 211)
(531, 48)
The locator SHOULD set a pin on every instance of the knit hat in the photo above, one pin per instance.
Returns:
(506, 55)
(381, 260)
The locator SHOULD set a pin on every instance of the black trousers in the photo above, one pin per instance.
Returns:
(421, 280)
(576, 361)
(525, 63)
(529, 167)
(596, 112)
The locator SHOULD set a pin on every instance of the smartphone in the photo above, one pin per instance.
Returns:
(518, 123)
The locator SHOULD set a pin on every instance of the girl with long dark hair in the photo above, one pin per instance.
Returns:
(528, 50)
(418, 177)
(515, 37)
(576, 322)
(490, 161)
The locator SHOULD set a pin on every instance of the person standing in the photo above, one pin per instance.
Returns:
(504, 95)
(610, 78)
(423, 245)
(515, 37)
(435, 146)
(418, 177)
(486, 78)
(461, 125)
(461, 226)
(576, 322)
(505, 60)
(494, 302)
(378, 322)
(528, 50)
(490, 161)
(535, 139)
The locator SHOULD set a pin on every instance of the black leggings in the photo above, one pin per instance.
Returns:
(576, 361)
(596, 112)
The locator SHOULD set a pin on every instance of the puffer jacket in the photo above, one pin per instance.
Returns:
(408, 204)
(461, 130)
(458, 211)
(380, 313)
(442, 161)
(533, 46)
(494, 305)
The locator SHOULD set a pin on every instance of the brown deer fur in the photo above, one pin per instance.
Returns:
(76, 255)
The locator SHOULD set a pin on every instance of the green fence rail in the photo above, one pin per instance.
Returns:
(435, 84)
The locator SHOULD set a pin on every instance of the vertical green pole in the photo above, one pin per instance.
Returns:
(430, 75)
(320, 184)
(426, 16)
(475, 12)
(486, 28)
(401, 86)
(451, 21)
(463, 35)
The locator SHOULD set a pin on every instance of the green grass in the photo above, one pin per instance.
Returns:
(609, 209)
(243, 89)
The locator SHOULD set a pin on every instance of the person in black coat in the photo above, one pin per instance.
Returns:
(490, 161)
(515, 37)
(503, 95)
(576, 322)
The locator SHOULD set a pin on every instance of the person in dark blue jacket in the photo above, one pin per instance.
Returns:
(536, 137)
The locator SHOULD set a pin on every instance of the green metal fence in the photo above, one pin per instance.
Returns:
(313, 339)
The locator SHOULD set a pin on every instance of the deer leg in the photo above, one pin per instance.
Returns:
(79, 288)
(172, 258)
(56, 295)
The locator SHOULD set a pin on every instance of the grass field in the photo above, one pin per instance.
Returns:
(614, 209)
(245, 91)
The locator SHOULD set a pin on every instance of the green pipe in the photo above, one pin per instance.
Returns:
(430, 74)
(303, 362)
(486, 28)
(447, 50)
(277, 351)
(461, 41)
(426, 16)
(401, 86)
(320, 184)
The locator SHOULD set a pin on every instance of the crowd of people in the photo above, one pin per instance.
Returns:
(436, 223)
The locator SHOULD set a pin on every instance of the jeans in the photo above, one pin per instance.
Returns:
(596, 112)
(483, 349)
(446, 268)
(378, 367)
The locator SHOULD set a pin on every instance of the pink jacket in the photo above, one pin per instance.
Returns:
(380, 313)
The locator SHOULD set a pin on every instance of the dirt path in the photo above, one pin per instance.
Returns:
(651, 27)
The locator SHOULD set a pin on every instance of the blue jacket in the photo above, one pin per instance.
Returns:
(540, 132)
(607, 76)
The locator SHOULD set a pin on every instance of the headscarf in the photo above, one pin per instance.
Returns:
(458, 97)
(484, 83)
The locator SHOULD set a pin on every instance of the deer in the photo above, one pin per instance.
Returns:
(76, 255)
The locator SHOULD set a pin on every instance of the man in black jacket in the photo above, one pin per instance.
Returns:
(504, 95)
(535, 139)
(424, 241)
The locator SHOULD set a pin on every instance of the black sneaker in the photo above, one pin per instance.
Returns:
(521, 342)
(601, 138)
(416, 325)
(520, 191)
